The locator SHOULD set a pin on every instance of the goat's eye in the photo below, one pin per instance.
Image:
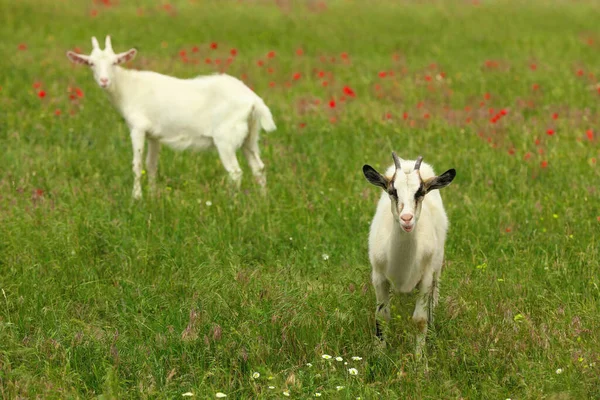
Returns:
(393, 192)
(420, 193)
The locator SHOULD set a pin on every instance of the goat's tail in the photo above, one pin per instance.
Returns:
(262, 115)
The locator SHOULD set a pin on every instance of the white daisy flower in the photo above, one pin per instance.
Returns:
(255, 375)
(559, 371)
(325, 256)
(326, 356)
(356, 358)
(317, 394)
(338, 358)
(187, 394)
(271, 387)
(209, 203)
(338, 388)
(220, 395)
(286, 393)
(309, 365)
(353, 371)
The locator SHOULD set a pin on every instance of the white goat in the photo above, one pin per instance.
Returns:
(402, 252)
(198, 113)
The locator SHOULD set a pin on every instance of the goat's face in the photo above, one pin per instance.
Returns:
(102, 62)
(407, 190)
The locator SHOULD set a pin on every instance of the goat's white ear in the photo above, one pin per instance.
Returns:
(441, 181)
(126, 56)
(375, 177)
(79, 58)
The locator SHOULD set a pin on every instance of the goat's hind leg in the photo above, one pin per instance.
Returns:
(230, 162)
(252, 153)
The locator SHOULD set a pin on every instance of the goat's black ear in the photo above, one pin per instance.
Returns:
(440, 181)
(375, 177)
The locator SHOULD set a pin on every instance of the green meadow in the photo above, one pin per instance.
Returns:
(200, 290)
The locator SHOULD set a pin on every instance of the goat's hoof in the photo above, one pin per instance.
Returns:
(380, 343)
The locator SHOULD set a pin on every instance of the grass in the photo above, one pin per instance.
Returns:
(103, 297)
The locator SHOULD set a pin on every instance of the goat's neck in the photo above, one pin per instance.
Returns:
(118, 87)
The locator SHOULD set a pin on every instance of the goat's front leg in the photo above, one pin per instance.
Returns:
(422, 311)
(152, 162)
(382, 295)
(137, 141)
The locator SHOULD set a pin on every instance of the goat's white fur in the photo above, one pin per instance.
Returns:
(407, 259)
(215, 110)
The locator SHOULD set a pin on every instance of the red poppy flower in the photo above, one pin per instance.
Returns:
(405, 115)
(41, 94)
(79, 92)
(94, 12)
(208, 61)
(214, 45)
(550, 132)
(182, 53)
(527, 156)
(22, 46)
(344, 56)
(590, 134)
(195, 49)
(37, 85)
(348, 90)
(555, 116)
(233, 52)
(271, 54)
(272, 84)
(299, 52)
(296, 76)
(57, 112)
(382, 74)
(260, 63)
(544, 164)
(332, 104)
(533, 67)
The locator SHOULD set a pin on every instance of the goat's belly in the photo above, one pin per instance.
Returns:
(403, 280)
(184, 142)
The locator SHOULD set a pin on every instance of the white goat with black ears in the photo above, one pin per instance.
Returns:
(407, 236)
(198, 113)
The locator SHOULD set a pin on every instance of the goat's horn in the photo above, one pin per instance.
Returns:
(396, 160)
(95, 44)
(107, 43)
(418, 163)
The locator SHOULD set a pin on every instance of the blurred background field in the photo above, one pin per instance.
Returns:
(197, 291)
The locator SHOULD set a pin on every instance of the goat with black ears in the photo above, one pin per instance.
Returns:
(407, 236)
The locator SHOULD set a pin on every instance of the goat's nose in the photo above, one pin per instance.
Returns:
(406, 217)
(104, 80)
